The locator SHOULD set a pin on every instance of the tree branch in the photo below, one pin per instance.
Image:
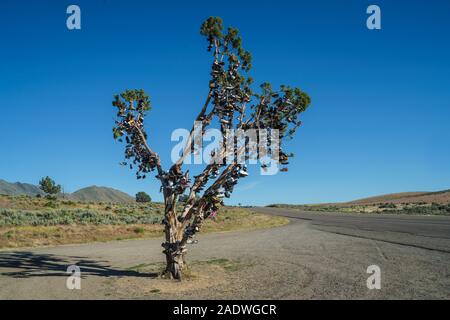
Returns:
(188, 146)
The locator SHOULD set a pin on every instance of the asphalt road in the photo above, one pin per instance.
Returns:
(316, 256)
(427, 232)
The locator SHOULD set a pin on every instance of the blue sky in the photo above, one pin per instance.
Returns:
(379, 121)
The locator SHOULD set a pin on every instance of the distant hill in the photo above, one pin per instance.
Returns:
(101, 194)
(93, 193)
(17, 188)
(422, 197)
(442, 197)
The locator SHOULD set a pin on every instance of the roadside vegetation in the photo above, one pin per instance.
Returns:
(419, 208)
(30, 221)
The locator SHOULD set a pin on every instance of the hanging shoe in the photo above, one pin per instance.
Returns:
(243, 173)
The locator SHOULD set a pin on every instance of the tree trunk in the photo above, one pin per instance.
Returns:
(175, 253)
(175, 265)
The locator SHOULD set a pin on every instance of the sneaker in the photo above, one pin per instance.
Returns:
(243, 173)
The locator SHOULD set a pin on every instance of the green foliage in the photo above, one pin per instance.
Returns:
(229, 44)
(280, 109)
(49, 186)
(143, 197)
(139, 230)
(69, 203)
(51, 204)
(132, 106)
(387, 206)
(433, 209)
(9, 217)
(212, 27)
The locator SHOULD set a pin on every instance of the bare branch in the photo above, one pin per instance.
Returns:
(200, 117)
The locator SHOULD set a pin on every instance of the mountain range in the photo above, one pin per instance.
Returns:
(92, 193)
(105, 194)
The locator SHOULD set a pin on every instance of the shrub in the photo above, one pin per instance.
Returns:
(143, 197)
(139, 230)
(9, 217)
(51, 204)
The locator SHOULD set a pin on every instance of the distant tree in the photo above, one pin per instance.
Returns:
(230, 104)
(143, 197)
(49, 186)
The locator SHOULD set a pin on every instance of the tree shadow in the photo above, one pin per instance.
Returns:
(44, 265)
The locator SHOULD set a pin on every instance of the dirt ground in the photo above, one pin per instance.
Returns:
(295, 261)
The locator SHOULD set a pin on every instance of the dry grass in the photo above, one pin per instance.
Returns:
(380, 208)
(232, 219)
(27, 235)
(33, 236)
(39, 204)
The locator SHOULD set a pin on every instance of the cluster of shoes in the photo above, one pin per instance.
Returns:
(284, 159)
(137, 156)
(240, 171)
(224, 107)
(190, 232)
(226, 97)
(278, 115)
(217, 71)
(135, 153)
(282, 102)
(175, 180)
(130, 120)
(288, 113)
(213, 204)
(270, 117)
(131, 107)
(173, 248)
(279, 111)
(231, 180)
(213, 207)
(214, 174)
(129, 116)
